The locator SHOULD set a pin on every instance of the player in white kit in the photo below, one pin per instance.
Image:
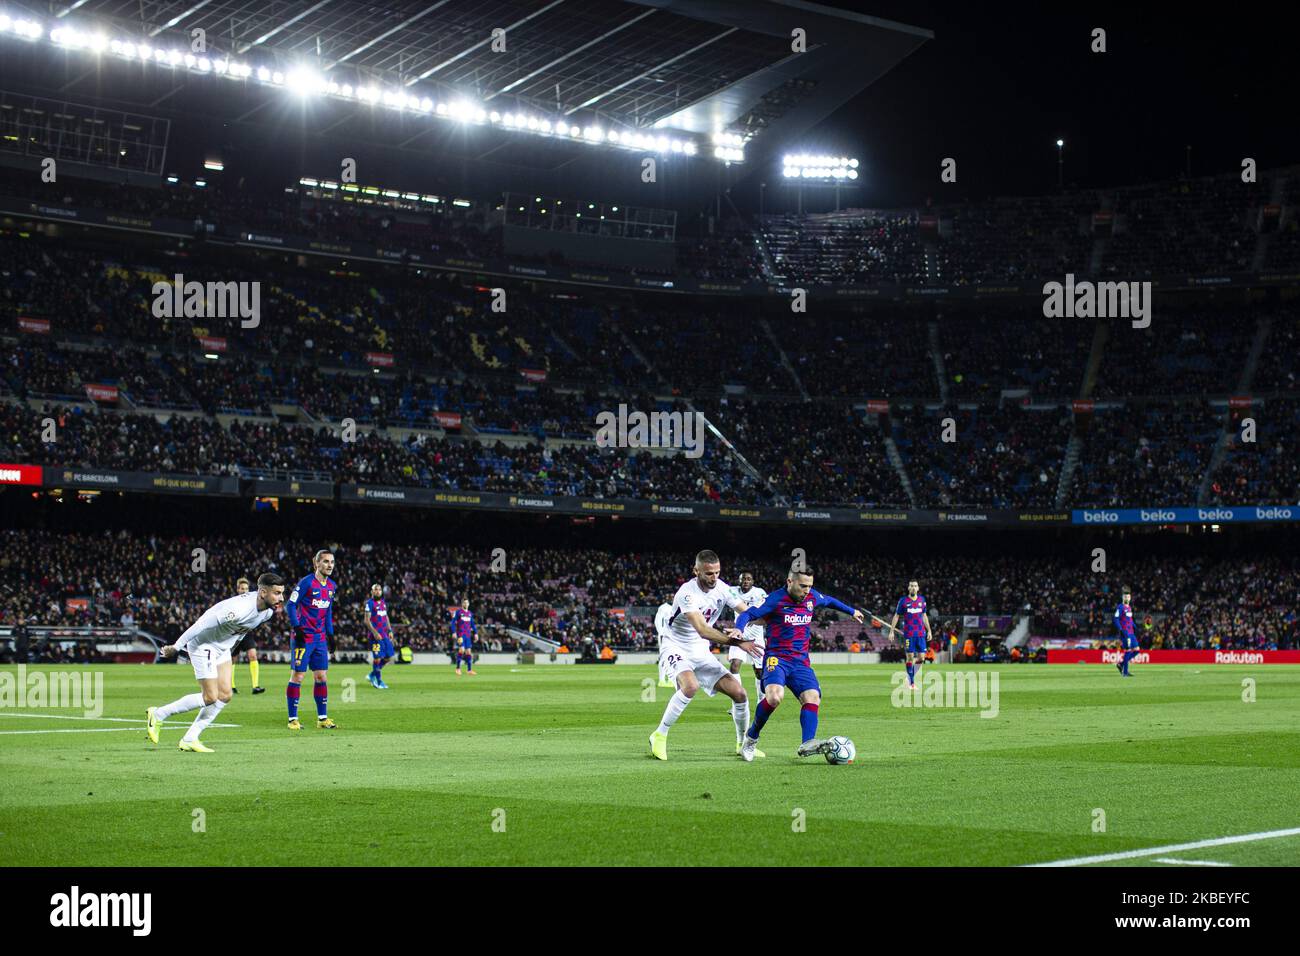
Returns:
(736, 658)
(207, 643)
(685, 655)
(662, 617)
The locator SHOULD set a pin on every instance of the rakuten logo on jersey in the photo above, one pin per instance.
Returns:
(797, 618)
(1091, 517)
(1158, 515)
(320, 603)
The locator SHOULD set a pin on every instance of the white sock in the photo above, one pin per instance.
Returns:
(740, 713)
(674, 710)
(758, 687)
(207, 714)
(188, 702)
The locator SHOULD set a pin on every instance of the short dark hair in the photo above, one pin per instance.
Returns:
(1126, 590)
(317, 556)
(268, 580)
(707, 557)
(806, 569)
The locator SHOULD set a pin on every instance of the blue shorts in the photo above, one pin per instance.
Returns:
(381, 648)
(790, 674)
(466, 647)
(310, 657)
(917, 645)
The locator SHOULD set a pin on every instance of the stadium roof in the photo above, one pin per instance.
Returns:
(695, 66)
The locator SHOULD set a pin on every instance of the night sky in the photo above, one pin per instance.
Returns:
(999, 83)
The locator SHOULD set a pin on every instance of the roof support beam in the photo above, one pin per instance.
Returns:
(560, 59)
(657, 66)
(468, 50)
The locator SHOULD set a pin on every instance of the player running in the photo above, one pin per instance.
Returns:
(248, 644)
(1128, 641)
(464, 630)
(207, 644)
(381, 637)
(684, 650)
(753, 596)
(311, 612)
(788, 612)
(916, 629)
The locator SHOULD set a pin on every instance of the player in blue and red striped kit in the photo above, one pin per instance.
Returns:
(311, 612)
(916, 629)
(381, 636)
(463, 630)
(788, 612)
(1128, 641)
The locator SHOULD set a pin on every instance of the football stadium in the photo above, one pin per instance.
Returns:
(647, 433)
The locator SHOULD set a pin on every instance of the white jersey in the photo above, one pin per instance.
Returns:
(661, 619)
(225, 623)
(755, 596)
(691, 597)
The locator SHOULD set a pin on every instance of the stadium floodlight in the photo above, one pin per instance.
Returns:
(303, 82)
(214, 165)
(817, 167)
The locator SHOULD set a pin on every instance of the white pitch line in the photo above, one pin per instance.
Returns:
(117, 720)
(1170, 859)
(1174, 848)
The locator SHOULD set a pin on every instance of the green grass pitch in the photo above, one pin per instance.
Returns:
(550, 766)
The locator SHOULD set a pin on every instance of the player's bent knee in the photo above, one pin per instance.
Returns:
(224, 696)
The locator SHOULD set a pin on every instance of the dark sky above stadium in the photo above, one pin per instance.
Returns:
(1001, 81)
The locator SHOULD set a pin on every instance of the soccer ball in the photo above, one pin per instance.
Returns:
(842, 750)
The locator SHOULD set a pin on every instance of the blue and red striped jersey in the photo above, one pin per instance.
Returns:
(1124, 619)
(311, 607)
(912, 611)
(377, 609)
(462, 624)
(788, 622)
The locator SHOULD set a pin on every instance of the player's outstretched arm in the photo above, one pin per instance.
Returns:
(715, 636)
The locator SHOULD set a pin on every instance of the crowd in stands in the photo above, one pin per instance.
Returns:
(567, 594)
(1193, 226)
(1155, 453)
(1265, 468)
(1197, 226)
(1182, 352)
(1000, 457)
(995, 350)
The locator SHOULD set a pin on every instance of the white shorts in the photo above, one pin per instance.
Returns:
(736, 654)
(674, 659)
(206, 658)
